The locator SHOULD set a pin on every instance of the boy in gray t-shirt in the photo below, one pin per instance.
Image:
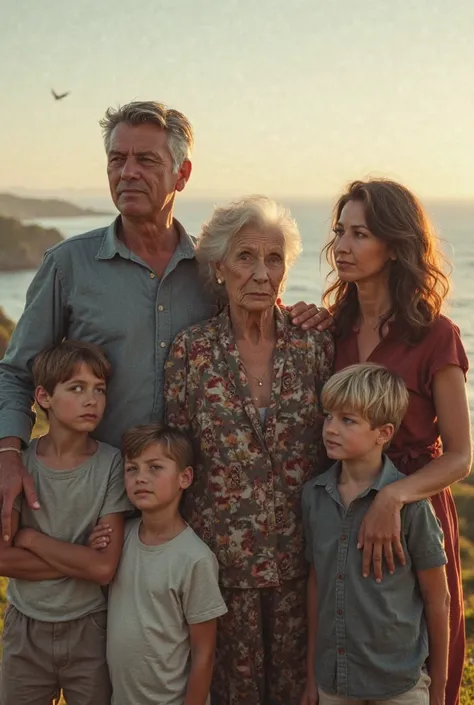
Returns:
(54, 635)
(165, 599)
(368, 640)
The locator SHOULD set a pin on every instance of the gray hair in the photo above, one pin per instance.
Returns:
(176, 125)
(227, 221)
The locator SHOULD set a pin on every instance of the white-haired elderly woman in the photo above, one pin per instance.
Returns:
(245, 384)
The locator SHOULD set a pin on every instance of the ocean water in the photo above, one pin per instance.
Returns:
(454, 223)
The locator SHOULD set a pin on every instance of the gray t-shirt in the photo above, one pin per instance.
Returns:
(371, 638)
(72, 501)
(157, 592)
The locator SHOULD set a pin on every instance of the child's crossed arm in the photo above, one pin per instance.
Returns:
(73, 560)
(16, 562)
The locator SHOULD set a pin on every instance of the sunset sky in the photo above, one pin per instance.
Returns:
(290, 98)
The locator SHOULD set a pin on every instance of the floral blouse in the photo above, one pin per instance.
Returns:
(245, 501)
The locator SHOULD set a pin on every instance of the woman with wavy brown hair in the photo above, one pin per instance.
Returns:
(386, 301)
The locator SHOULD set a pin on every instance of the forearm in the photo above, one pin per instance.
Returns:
(437, 619)
(434, 477)
(199, 682)
(24, 565)
(16, 401)
(73, 560)
(10, 442)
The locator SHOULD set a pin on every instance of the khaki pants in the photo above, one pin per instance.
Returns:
(418, 695)
(41, 658)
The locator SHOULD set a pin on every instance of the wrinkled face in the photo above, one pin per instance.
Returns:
(347, 436)
(140, 170)
(254, 269)
(77, 404)
(153, 481)
(359, 255)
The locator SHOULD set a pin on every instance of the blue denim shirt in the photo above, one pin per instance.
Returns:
(93, 288)
(371, 637)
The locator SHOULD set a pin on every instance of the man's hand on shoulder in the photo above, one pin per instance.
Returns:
(309, 316)
(14, 479)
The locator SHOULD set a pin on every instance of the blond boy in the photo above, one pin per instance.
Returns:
(368, 640)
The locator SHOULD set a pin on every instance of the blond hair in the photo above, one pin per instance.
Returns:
(177, 127)
(369, 390)
(176, 444)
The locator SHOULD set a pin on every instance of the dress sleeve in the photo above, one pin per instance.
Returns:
(176, 375)
(446, 348)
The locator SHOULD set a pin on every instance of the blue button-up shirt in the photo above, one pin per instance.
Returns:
(371, 637)
(93, 288)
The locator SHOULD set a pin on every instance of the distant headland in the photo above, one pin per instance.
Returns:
(23, 246)
(23, 208)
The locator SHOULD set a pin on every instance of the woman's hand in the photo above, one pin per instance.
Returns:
(379, 534)
(100, 537)
(309, 316)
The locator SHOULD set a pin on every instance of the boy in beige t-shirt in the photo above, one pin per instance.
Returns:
(54, 635)
(165, 599)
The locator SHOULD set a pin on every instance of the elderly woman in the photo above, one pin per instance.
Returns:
(386, 301)
(246, 385)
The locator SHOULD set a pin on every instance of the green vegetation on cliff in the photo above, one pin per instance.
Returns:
(23, 246)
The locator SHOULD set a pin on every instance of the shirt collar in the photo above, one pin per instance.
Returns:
(387, 475)
(111, 245)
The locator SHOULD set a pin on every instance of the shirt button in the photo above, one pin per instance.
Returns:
(339, 612)
(340, 576)
(161, 308)
(343, 537)
(162, 344)
(152, 275)
(341, 651)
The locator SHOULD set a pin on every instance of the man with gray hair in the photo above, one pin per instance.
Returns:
(129, 288)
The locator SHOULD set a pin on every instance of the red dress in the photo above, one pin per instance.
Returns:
(417, 442)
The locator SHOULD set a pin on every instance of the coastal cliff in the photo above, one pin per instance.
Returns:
(6, 329)
(23, 246)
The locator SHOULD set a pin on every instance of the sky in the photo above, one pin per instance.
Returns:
(292, 98)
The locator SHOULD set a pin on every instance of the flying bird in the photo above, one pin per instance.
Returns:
(59, 96)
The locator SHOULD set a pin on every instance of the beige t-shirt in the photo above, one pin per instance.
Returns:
(72, 501)
(157, 592)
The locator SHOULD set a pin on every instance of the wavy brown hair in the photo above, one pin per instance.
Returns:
(416, 280)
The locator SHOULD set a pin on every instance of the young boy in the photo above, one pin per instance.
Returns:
(165, 599)
(368, 640)
(54, 634)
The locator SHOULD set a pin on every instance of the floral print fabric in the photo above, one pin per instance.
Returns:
(245, 498)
